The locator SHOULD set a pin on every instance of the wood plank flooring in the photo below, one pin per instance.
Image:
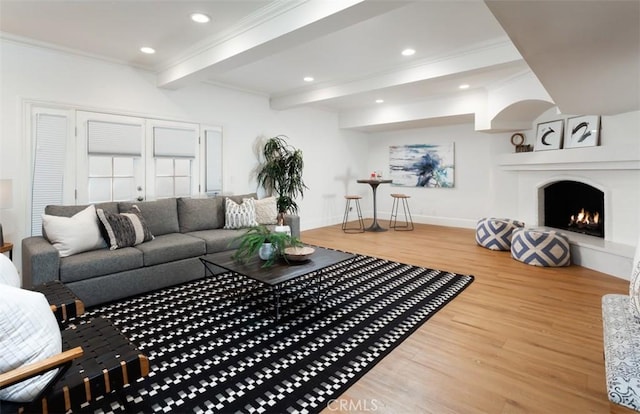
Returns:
(520, 339)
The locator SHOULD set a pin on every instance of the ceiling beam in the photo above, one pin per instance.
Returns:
(483, 57)
(297, 25)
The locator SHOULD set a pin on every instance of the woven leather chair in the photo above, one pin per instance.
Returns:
(96, 359)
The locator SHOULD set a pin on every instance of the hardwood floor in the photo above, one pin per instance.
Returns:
(520, 339)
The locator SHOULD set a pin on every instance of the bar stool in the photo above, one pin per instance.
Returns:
(393, 221)
(356, 199)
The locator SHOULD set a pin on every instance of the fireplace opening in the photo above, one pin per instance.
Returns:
(574, 206)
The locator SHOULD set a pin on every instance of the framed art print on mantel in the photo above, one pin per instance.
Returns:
(582, 131)
(549, 135)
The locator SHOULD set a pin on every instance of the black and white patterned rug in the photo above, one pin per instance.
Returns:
(211, 352)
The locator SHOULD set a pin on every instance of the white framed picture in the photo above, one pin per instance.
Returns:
(549, 135)
(582, 131)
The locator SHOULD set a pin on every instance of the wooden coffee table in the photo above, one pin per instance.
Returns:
(281, 271)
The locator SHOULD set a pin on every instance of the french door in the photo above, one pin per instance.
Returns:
(124, 158)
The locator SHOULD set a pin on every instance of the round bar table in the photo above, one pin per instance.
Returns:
(374, 186)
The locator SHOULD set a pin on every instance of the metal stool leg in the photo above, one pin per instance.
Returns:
(346, 215)
(394, 214)
(407, 213)
(345, 219)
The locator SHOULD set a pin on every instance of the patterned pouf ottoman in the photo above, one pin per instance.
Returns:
(541, 247)
(495, 233)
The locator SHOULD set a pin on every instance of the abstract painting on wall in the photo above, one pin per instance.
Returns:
(422, 165)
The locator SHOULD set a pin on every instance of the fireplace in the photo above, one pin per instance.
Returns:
(574, 206)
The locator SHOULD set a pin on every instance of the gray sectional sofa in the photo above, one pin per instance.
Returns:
(185, 229)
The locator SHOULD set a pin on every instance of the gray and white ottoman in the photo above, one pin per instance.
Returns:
(540, 247)
(495, 233)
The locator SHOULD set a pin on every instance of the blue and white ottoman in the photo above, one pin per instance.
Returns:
(495, 233)
(541, 247)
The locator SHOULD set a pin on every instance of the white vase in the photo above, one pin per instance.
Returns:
(266, 251)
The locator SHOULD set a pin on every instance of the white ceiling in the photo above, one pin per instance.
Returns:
(351, 47)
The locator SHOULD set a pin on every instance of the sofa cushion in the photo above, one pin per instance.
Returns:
(125, 229)
(29, 333)
(76, 234)
(219, 240)
(99, 262)
(200, 213)
(267, 210)
(171, 247)
(161, 215)
(238, 216)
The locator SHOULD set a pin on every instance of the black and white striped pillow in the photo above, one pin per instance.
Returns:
(124, 229)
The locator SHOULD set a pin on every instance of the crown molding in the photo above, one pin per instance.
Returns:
(37, 44)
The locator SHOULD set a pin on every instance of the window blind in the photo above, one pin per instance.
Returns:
(174, 142)
(114, 138)
(213, 150)
(48, 176)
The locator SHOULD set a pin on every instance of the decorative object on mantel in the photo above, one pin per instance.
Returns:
(582, 131)
(549, 135)
(517, 140)
(422, 165)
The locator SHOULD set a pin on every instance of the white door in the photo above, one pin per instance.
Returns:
(110, 157)
(173, 159)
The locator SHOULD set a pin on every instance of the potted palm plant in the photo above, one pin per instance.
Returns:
(267, 244)
(281, 173)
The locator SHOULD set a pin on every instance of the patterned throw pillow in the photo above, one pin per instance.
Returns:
(266, 210)
(239, 216)
(634, 285)
(125, 229)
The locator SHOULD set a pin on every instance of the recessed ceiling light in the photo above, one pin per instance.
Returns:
(379, 100)
(308, 78)
(148, 50)
(408, 52)
(464, 86)
(200, 18)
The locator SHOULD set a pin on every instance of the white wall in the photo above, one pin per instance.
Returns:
(479, 188)
(334, 158)
(32, 73)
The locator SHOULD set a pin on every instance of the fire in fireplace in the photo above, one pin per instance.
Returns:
(574, 206)
(584, 219)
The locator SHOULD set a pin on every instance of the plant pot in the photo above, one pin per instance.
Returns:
(266, 251)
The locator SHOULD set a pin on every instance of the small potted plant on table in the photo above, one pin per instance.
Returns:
(267, 244)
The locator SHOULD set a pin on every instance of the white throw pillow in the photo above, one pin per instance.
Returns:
(266, 210)
(239, 216)
(77, 234)
(28, 333)
(8, 272)
(634, 285)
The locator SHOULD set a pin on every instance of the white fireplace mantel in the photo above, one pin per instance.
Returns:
(612, 169)
(620, 157)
